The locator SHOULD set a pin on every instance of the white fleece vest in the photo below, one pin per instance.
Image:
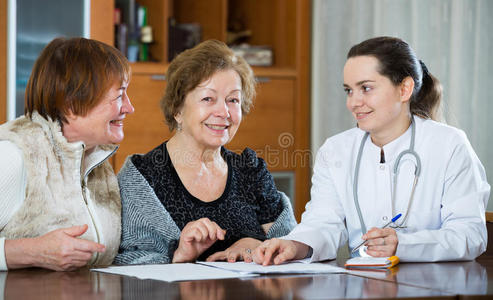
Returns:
(57, 193)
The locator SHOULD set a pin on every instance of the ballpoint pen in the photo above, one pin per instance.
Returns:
(391, 221)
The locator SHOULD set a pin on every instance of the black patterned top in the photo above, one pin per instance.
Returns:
(249, 200)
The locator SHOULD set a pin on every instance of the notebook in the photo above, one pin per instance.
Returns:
(372, 262)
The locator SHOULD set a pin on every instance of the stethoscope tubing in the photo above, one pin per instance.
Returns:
(417, 173)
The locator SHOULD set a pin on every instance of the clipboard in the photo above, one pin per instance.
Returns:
(372, 262)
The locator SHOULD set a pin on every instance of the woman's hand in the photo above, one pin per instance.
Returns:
(196, 237)
(58, 250)
(241, 250)
(381, 242)
(277, 251)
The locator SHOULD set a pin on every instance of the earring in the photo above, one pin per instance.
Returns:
(178, 126)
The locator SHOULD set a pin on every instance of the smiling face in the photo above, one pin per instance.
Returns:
(211, 113)
(380, 107)
(103, 124)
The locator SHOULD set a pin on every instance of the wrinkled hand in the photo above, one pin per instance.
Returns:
(241, 250)
(277, 251)
(196, 237)
(58, 250)
(381, 242)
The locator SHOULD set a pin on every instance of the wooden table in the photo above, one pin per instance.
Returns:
(463, 280)
(466, 280)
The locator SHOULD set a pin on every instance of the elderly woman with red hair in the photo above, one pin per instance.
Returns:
(60, 205)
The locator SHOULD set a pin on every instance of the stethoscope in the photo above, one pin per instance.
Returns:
(417, 171)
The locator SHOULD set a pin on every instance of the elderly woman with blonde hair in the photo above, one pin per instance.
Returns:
(190, 198)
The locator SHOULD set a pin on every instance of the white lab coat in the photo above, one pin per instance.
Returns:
(447, 217)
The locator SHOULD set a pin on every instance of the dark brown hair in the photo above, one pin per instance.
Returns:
(73, 74)
(397, 61)
(195, 65)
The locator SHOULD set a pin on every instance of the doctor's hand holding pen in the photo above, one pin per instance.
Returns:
(380, 242)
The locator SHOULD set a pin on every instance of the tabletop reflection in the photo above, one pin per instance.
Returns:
(466, 278)
(407, 280)
(45, 284)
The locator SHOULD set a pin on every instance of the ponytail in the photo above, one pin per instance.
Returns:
(426, 103)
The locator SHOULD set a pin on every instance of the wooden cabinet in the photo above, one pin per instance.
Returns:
(278, 125)
(269, 127)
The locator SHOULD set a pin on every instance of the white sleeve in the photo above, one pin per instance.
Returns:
(12, 187)
(463, 234)
(322, 224)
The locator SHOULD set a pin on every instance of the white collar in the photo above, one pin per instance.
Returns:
(392, 149)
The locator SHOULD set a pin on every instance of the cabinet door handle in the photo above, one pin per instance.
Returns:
(262, 79)
(158, 77)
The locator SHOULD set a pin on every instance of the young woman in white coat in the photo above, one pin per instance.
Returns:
(398, 160)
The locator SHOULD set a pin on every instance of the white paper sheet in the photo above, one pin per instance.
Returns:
(172, 272)
(371, 262)
(292, 267)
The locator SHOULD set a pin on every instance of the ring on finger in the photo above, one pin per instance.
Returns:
(383, 243)
(248, 250)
